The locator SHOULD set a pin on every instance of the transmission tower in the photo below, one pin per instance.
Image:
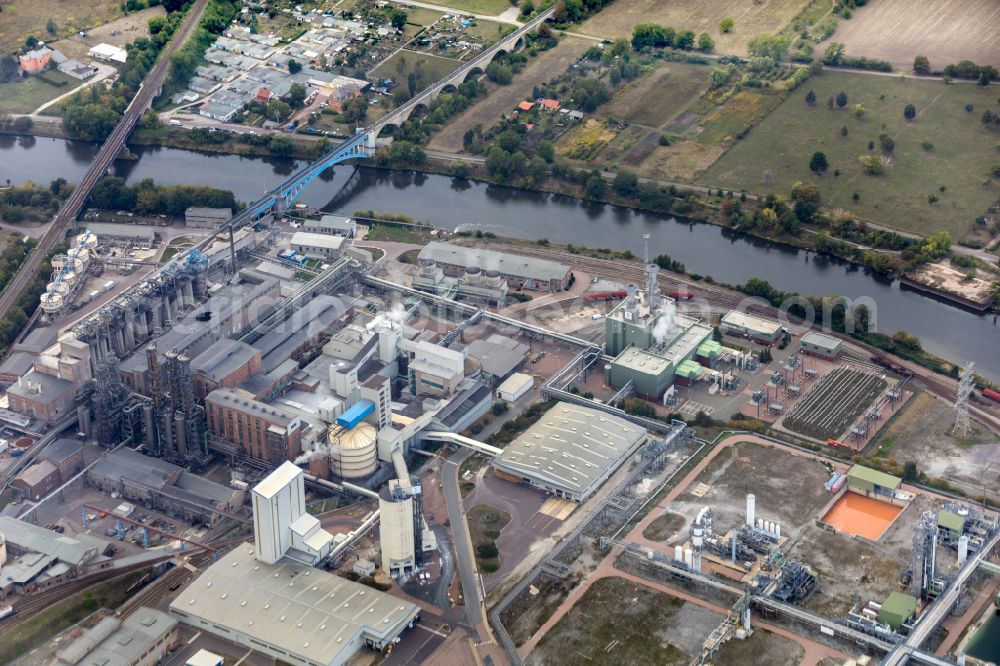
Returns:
(965, 385)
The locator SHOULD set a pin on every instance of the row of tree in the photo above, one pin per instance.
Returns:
(111, 193)
(652, 35)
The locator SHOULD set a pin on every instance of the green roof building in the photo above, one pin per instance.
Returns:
(951, 523)
(897, 609)
(870, 480)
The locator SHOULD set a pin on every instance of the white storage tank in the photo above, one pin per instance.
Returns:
(52, 302)
(678, 554)
(353, 453)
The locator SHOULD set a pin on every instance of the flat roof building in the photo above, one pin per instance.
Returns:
(200, 217)
(868, 480)
(571, 451)
(291, 611)
(498, 355)
(515, 386)
(123, 235)
(746, 325)
(824, 346)
(323, 246)
(75, 552)
(141, 639)
(331, 224)
(520, 272)
(42, 396)
(226, 364)
(263, 431)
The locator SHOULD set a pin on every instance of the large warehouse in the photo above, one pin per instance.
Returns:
(520, 272)
(570, 451)
(741, 324)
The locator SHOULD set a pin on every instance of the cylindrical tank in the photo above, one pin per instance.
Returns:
(147, 426)
(473, 270)
(69, 277)
(777, 530)
(83, 416)
(770, 527)
(688, 557)
(51, 302)
(3, 550)
(181, 434)
(678, 553)
(353, 452)
(607, 374)
(696, 537)
(963, 549)
(760, 523)
(751, 509)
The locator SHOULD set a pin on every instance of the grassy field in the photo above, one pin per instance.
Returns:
(485, 525)
(484, 7)
(503, 99)
(945, 146)
(118, 32)
(25, 637)
(419, 18)
(21, 18)
(402, 63)
(654, 99)
(26, 95)
(750, 18)
(615, 622)
(945, 31)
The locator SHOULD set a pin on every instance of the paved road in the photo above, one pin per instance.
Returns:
(64, 219)
(463, 542)
(447, 571)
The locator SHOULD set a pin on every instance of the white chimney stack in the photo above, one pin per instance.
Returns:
(751, 509)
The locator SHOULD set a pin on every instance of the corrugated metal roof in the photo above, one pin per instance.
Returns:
(951, 521)
(874, 476)
(511, 264)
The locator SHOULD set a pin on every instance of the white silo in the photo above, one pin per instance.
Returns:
(777, 530)
(751, 509)
(963, 549)
(760, 523)
(3, 550)
(678, 554)
(689, 557)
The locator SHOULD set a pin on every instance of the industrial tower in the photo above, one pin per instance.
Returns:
(652, 286)
(965, 385)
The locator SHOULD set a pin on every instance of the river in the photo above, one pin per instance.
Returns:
(945, 330)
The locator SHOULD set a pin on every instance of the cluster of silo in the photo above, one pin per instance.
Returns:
(69, 271)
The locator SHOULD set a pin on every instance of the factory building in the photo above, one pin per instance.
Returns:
(206, 218)
(570, 452)
(163, 486)
(499, 356)
(897, 610)
(262, 431)
(123, 235)
(515, 386)
(433, 369)
(66, 454)
(824, 346)
(32, 557)
(270, 599)
(226, 364)
(653, 345)
(868, 481)
(474, 284)
(518, 271)
(141, 639)
(758, 329)
(44, 397)
(37, 481)
(22, 354)
(319, 246)
(332, 225)
(303, 330)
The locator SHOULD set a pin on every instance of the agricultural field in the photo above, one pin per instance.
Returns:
(946, 32)
(943, 153)
(503, 99)
(430, 68)
(481, 7)
(922, 432)
(26, 95)
(832, 406)
(21, 18)
(654, 99)
(750, 18)
(621, 622)
(118, 32)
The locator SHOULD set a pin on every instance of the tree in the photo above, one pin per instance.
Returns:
(769, 46)
(625, 183)
(590, 93)
(397, 19)
(858, 110)
(983, 80)
(277, 110)
(280, 145)
(805, 192)
(651, 35)
(406, 152)
(726, 25)
(811, 98)
(8, 66)
(843, 131)
(499, 72)
(294, 66)
(910, 471)
(910, 112)
(818, 163)
(546, 151)
(705, 43)
(921, 65)
(638, 407)
(31, 41)
(51, 28)
(841, 99)
(871, 165)
(355, 110)
(296, 95)
(685, 40)
(595, 185)
(834, 54)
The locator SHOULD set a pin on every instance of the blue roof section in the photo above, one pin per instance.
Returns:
(354, 415)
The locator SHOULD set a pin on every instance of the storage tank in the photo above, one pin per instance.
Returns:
(3, 550)
(396, 536)
(51, 302)
(760, 523)
(963, 549)
(751, 508)
(353, 452)
(678, 553)
(696, 537)
(689, 557)
(777, 530)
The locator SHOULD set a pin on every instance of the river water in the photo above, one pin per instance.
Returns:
(944, 329)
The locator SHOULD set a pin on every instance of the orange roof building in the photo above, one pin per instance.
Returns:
(550, 104)
(525, 106)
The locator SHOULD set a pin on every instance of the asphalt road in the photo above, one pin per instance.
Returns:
(463, 542)
(447, 571)
(66, 216)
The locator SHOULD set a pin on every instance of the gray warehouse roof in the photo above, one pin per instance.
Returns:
(118, 643)
(498, 354)
(72, 550)
(231, 399)
(223, 358)
(220, 214)
(571, 447)
(60, 450)
(107, 229)
(50, 388)
(305, 324)
(132, 466)
(510, 264)
(305, 612)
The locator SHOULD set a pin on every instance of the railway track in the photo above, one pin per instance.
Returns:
(938, 385)
(66, 216)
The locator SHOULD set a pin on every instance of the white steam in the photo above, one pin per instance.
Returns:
(394, 315)
(666, 323)
(319, 451)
